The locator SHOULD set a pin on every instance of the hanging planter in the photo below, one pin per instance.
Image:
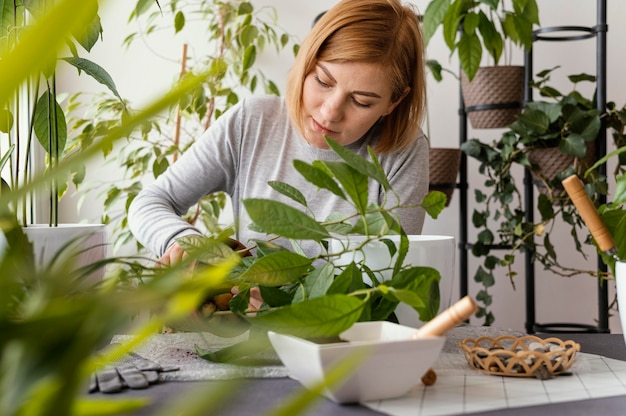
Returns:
(494, 97)
(444, 168)
(550, 162)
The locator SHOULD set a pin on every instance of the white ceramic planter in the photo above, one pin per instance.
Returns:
(436, 251)
(86, 244)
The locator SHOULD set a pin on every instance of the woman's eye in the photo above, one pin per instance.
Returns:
(322, 83)
(360, 104)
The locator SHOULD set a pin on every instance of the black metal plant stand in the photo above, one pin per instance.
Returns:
(549, 34)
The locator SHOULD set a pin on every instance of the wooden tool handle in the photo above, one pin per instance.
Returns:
(448, 319)
(576, 191)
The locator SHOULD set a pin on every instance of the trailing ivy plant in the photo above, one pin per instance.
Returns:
(233, 33)
(567, 121)
(318, 296)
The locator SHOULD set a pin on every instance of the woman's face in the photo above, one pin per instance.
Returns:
(343, 101)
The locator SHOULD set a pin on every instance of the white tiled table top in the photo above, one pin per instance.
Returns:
(467, 391)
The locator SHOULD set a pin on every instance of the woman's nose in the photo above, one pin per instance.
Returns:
(332, 108)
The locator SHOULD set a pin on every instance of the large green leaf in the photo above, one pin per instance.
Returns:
(470, 54)
(372, 170)
(318, 177)
(90, 34)
(50, 125)
(289, 191)
(424, 283)
(320, 317)
(276, 269)
(274, 217)
(95, 71)
(433, 17)
(353, 182)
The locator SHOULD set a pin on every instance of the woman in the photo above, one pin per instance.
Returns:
(358, 79)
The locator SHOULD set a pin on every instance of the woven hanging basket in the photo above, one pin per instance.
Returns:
(444, 168)
(551, 161)
(493, 85)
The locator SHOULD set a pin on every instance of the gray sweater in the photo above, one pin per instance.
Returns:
(249, 145)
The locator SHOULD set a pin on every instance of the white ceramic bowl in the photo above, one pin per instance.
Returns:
(436, 251)
(393, 363)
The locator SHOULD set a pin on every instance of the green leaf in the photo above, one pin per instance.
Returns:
(274, 217)
(96, 72)
(370, 169)
(6, 121)
(433, 203)
(179, 21)
(248, 35)
(245, 8)
(6, 156)
(89, 35)
(249, 57)
(349, 280)
(276, 269)
(327, 316)
(574, 144)
(354, 183)
(424, 283)
(433, 17)
(470, 54)
(319, 281)
(318, 177)
(289, 191)
(50, 131)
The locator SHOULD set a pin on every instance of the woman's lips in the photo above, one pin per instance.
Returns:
(321, 129)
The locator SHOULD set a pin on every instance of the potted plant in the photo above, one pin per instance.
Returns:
(327, 292)
(229, 38)
(492, 94)
(564, 124)
(33, 132)
(51, 322)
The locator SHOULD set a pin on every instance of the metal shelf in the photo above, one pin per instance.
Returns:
(549, 34)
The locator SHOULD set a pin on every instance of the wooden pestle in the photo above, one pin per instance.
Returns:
(588, 212)
(448, 319)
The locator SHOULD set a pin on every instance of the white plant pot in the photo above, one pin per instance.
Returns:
(436, 251)
(620, 288)
(85, 244)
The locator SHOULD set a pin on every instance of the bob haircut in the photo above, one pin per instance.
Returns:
(382, 32)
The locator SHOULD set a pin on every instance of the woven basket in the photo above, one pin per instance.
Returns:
(502, 85)
(551, 161)
(444, 168)
(519, 357)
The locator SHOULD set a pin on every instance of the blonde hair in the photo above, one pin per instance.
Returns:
(382, 32)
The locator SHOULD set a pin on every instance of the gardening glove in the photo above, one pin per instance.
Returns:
(132, 371)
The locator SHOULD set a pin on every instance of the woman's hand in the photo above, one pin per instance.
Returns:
(173, 255)
(255, 302)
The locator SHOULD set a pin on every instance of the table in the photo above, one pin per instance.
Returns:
(261, 396)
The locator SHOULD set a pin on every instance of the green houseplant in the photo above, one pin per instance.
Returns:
(51, 322)
(472, 29)
(34, 133)
(565, 124)
(228, 37)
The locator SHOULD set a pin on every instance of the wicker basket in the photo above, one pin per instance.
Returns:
(502, 85)
(508, 355)
(444, 168)
(551, 161)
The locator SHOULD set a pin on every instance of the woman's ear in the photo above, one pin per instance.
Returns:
(393, 105)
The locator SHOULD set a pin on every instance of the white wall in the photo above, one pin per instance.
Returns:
(139, 77)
